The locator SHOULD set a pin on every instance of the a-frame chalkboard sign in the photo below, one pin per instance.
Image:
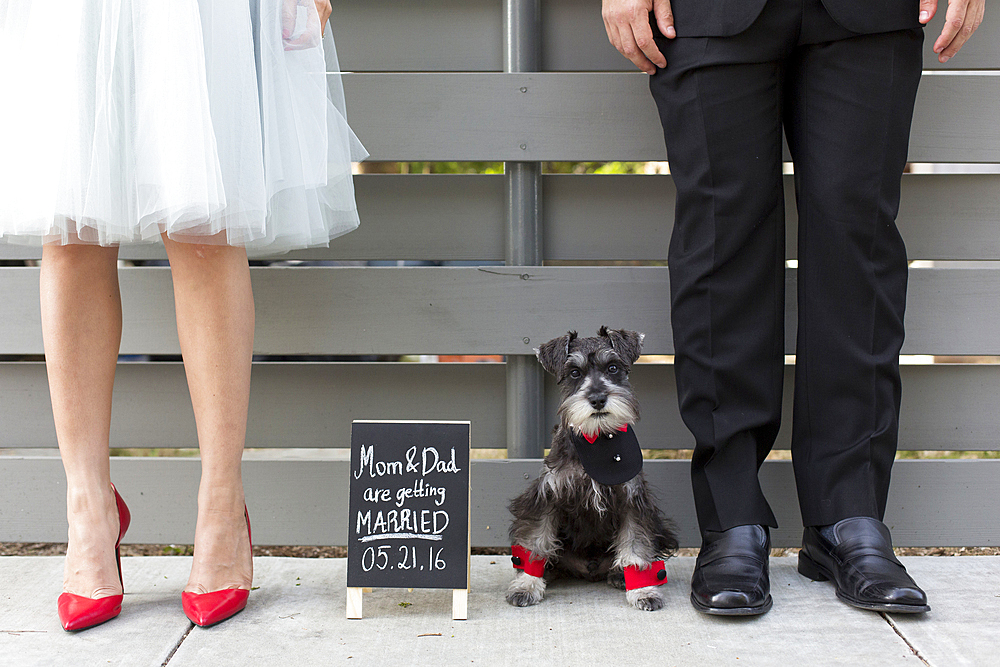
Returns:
(409, 509)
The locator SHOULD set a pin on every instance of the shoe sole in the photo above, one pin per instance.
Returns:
(812, 570)
(732, 611)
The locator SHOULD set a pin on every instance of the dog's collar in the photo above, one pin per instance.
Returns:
(592, 438)
(609, 459)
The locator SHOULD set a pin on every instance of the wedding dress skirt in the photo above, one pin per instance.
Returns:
(214, 121)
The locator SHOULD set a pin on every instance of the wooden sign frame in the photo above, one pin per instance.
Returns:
(399, 469)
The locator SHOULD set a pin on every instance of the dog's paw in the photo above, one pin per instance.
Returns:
(616, 579)
(647, 599)
(525, 590)
(522, 598)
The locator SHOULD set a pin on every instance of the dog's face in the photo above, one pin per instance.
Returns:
(593, 374)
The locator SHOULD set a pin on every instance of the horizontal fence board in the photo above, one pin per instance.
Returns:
(403, 217)
(494, 310)
(630, 217)
(454, 217)
(467, 35)
(948, 312)
(931, 503)
(598, 217)
(945, 406)
(376, 310)
(291, 404)
(603, 116)
(952, 312)
(949, 124)
(434, 35)
(941, 216)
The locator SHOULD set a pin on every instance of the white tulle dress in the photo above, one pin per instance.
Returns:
(211, 120)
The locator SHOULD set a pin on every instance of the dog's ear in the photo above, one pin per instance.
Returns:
(553, 354)
(626, 344)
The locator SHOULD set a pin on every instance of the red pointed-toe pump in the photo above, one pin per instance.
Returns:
(77, 612)
(206, 609)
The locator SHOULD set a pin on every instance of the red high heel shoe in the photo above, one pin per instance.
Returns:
(77, 612)
(206, 609)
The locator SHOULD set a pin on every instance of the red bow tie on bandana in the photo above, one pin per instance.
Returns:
(592, 437)
(609, 459)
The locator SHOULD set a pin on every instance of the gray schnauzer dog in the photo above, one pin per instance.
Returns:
(590, 514)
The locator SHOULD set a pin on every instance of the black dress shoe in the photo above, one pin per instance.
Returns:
(730, 575)
(861, 563)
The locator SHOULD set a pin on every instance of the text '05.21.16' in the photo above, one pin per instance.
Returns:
(409, 509)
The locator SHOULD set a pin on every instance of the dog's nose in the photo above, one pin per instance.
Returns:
(598, 402)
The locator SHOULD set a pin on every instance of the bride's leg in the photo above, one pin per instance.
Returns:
(215, 323)
(81, 330)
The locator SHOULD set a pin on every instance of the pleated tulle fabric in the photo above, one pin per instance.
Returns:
(210, 120)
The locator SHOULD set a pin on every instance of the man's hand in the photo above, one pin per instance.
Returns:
(627, 23)
(961, 20)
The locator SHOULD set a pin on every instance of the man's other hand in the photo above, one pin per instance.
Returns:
(627, 23)
(960, 21)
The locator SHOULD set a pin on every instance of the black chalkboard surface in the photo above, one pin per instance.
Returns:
(409, 505)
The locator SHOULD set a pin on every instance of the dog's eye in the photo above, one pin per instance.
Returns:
(612, 370)
(575, 373)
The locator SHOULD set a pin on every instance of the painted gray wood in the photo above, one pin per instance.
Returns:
(945, 406)
(939, 503)
(603, 116)
(430, 35)
(291, 404)
(466, 35)
(953, 117)
(487, 310)
(404, 217)
(603, 217)
(954, 217)
(418, 217)
(376, 310)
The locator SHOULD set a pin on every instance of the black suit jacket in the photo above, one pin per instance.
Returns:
(724, 18)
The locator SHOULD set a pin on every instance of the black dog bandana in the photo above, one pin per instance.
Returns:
(610, 459)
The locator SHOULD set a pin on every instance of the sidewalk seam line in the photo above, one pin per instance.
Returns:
(896, 629)
(177, 646)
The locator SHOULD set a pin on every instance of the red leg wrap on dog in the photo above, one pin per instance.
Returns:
(522, 560)
(654, 575)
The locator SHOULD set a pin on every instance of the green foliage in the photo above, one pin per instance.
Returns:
(594, 167)
(497, 167)
(154, 452)
(451, 167)
(947, 455)
(174, 550)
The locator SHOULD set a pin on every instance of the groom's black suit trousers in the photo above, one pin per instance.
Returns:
(844, 101)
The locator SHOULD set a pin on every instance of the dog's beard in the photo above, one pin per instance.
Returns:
(583, 418)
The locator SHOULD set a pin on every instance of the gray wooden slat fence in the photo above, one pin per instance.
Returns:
(436, 85)
(605, 116)
(304, 404)
(481, 310)
(430, 217)
(165, 512)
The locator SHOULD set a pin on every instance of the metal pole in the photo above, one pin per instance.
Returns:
(522, 23)
(523, 185)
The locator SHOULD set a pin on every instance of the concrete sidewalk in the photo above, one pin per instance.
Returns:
(297, 617)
